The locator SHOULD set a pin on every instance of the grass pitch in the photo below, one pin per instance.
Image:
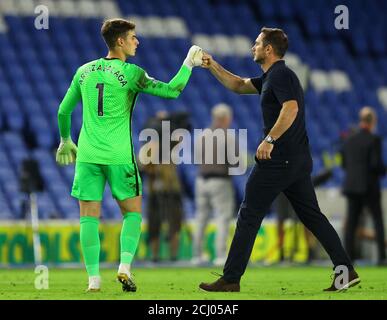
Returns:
(259, 283)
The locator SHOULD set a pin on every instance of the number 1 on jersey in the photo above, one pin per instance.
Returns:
(100, 86)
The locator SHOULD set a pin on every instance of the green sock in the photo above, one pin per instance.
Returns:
(90, 244)
(130, 235)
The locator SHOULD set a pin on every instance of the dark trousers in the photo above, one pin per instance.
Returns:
(268, 178)
(356, 204)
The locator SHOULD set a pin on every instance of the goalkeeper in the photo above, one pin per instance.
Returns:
(109, 88)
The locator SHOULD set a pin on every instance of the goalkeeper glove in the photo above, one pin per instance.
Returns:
(67, 152)
(194, 57)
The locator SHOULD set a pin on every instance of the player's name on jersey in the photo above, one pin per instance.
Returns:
(100, 68)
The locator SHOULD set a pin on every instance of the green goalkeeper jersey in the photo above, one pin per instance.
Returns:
(109, 89)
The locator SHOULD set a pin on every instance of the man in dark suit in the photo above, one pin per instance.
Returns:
(283, 162)
(363, 165)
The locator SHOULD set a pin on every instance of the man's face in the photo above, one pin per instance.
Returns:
(370, 115)
(258, 50)
(129, 43)
(227, 122)
(223, 122)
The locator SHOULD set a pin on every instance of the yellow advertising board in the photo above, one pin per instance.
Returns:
(60, 242)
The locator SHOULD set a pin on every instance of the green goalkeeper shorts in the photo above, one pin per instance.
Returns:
(90, 180)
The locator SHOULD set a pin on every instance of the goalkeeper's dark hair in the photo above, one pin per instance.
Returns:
(277, 38)
(112, 29)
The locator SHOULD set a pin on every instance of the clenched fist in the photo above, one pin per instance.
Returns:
(194, 57)
(207, 60)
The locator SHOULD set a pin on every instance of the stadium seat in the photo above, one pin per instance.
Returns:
(5, 210)
(347, 70)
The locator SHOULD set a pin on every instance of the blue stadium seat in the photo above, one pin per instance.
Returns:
(34, 80)
(5, 210)
(68, 173)
(68, 206)
(110, 206)
(12, 140)
(46, 207)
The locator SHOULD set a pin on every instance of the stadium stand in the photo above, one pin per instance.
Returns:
(339, 75)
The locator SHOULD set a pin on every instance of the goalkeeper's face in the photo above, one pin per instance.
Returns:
(129, 44)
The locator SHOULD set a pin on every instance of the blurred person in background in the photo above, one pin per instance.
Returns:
(363, 166)
(214, 190)
(286, 211)
(164, 201)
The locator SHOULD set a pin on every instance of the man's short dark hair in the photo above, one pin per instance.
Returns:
(277, 38)
(112, 29)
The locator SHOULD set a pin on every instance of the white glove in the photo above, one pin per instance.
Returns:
(194, 57)
(67, 152)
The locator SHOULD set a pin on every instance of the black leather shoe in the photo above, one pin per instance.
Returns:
(220, 285)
